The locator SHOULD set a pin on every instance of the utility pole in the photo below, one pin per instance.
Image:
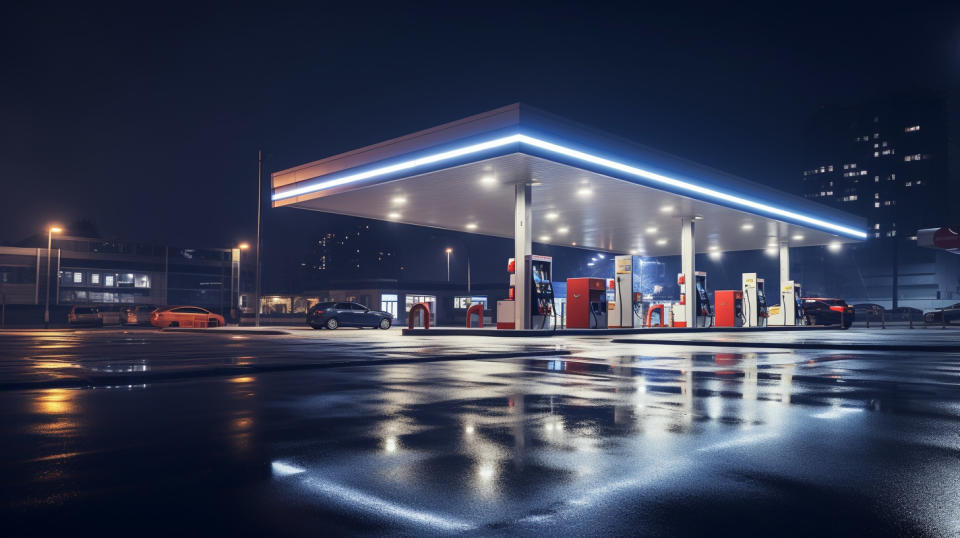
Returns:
(256, 304)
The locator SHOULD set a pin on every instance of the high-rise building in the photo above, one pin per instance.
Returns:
(887, 160)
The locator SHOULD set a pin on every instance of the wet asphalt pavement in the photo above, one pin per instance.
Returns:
(354, 434)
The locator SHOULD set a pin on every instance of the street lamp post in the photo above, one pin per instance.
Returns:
(46, 309)
(242, 247)
(449, 251)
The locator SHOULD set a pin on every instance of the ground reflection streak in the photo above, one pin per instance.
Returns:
(371, 504)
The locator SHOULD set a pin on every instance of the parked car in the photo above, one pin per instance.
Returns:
(185, 316)
(136, 315)
(824, 311)
(951, 313)
(333, 315)
(868, 311)
(85, 315)
(905, 313)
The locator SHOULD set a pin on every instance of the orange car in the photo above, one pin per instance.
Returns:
(185, 316)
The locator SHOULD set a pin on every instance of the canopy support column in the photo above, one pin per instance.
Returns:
(687, 257)
(522, 247)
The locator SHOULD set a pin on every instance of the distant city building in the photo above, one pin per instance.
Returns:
(356, 251)
(886, 160)
(93, 271)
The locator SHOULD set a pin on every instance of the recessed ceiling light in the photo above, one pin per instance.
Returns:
(713, 248)
(393, 215)
(602, 256)
(715, 255)
(488, 180)
(553, 215)
(585, 192)
(472, 226)
(666, 209)
(399, 200)
(563, 230)
(590, 264)
(593, 259)
(698, 217)
(634, 252)
(544, 238)
(747, 226)
(661, 241)
(835, 246)
(652, 230)
(798, 237)
(573, 244)
(771, 251)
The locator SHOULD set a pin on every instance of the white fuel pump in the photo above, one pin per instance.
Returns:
(754, 301)
(790, 311)
(627, 308)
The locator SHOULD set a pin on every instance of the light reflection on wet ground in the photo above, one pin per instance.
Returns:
(666, 442)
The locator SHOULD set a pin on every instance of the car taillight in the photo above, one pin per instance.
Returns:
(837, 308)
(318, 312)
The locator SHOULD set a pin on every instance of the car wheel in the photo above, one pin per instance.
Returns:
(332, 323)
(385, 323)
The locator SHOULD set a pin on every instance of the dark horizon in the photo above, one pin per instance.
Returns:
(136, 121)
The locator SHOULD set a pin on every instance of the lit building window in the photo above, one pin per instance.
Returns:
(95, 278)
(876, 153)
(876, 204)
(78, 278)
(876, 226)
(912, 129)
(876, 196)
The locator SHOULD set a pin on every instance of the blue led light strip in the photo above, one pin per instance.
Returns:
(578, 155)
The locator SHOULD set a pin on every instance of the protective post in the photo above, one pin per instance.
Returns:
(414, 310)
(478, 310)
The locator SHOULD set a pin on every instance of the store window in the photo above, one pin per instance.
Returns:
(431, 301)
(388, 303)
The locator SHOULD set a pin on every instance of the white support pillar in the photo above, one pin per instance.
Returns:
(522, 247)
(784, 263)
(687, 267)
(787, 311)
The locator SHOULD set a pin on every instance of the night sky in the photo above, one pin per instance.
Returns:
(149, 121)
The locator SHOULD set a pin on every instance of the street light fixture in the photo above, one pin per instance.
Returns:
(46, 309)
(448, 251)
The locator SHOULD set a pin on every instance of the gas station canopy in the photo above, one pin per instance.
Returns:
(589, 189)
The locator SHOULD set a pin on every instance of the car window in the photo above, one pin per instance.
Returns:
(343, 306)
(358, 307)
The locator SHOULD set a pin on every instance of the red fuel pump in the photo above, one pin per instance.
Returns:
(586, 303)
(728, 308)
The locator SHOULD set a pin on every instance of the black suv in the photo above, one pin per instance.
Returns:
(333, 315)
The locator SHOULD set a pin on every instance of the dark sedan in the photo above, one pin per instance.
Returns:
(821, 311)
(947, 315)
(333, 315)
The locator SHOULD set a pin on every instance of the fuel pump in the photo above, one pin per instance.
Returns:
(790, 311)
(729, 308)
(627, 308)
(540, 296)
(702, 311)
(586, 303)
(754, 301)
